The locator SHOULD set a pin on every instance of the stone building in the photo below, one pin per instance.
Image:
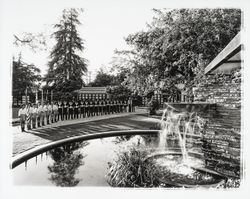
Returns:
(222, 137)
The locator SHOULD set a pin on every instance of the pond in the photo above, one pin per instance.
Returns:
(77, 164)
(99, 162)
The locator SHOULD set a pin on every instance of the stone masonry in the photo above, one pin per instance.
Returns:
(222, 135)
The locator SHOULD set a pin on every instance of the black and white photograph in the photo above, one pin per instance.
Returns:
(123, 96)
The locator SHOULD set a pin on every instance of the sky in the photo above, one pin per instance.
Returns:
(105, 24)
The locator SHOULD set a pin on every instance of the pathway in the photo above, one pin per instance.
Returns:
(61, 130)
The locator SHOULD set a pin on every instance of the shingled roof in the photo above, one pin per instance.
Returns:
(100, 90)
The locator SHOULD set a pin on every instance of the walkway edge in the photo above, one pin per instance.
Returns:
(22, 157)
(84, 120)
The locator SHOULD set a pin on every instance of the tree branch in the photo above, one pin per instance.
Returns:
(180, 72)
(22, 41)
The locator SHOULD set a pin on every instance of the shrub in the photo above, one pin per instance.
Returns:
(131, 170)
(153, 106)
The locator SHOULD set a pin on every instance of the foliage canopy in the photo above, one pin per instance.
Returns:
(176, 47)
(25, 76)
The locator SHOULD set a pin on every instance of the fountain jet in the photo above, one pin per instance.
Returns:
(176, 124)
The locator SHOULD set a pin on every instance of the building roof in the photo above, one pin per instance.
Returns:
(228, 59)
(99, 90)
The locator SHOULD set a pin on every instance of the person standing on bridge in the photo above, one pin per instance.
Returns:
(71, 110)
(45, 112)
(22, 116)
(53, 107)
(55, 111)
(104, 107)
(46, 115)
(60, 112)
(82, 111)
(96, 105)
(87, 108)
(34, 116)
(49, 113)
(99, 107)
(108, 106)
(76, 110)
(112, 105)
(39, 114)
(125, 105)
(65, 111)
(120, 106)
(52, 115)
(91, 108)
(29, 114)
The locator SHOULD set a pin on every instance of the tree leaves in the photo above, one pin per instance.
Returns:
(66, 66)
(25, 76)
(179, 43)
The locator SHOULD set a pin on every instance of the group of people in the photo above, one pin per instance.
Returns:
(41, 114)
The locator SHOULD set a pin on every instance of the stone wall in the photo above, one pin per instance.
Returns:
(226, 95)
(222, 137)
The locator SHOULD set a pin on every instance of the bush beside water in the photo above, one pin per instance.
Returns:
(130, 169)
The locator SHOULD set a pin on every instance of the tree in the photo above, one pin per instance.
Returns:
(105, 79)
(116, 89)
(102, 79)
(66, 66)
(119, 92)
(25, 77)
(177, 46)
(134, 74)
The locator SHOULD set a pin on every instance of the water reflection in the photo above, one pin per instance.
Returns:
(67, 160)
(121, 139)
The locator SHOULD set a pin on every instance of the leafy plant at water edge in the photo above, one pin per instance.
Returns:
(130, 170)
